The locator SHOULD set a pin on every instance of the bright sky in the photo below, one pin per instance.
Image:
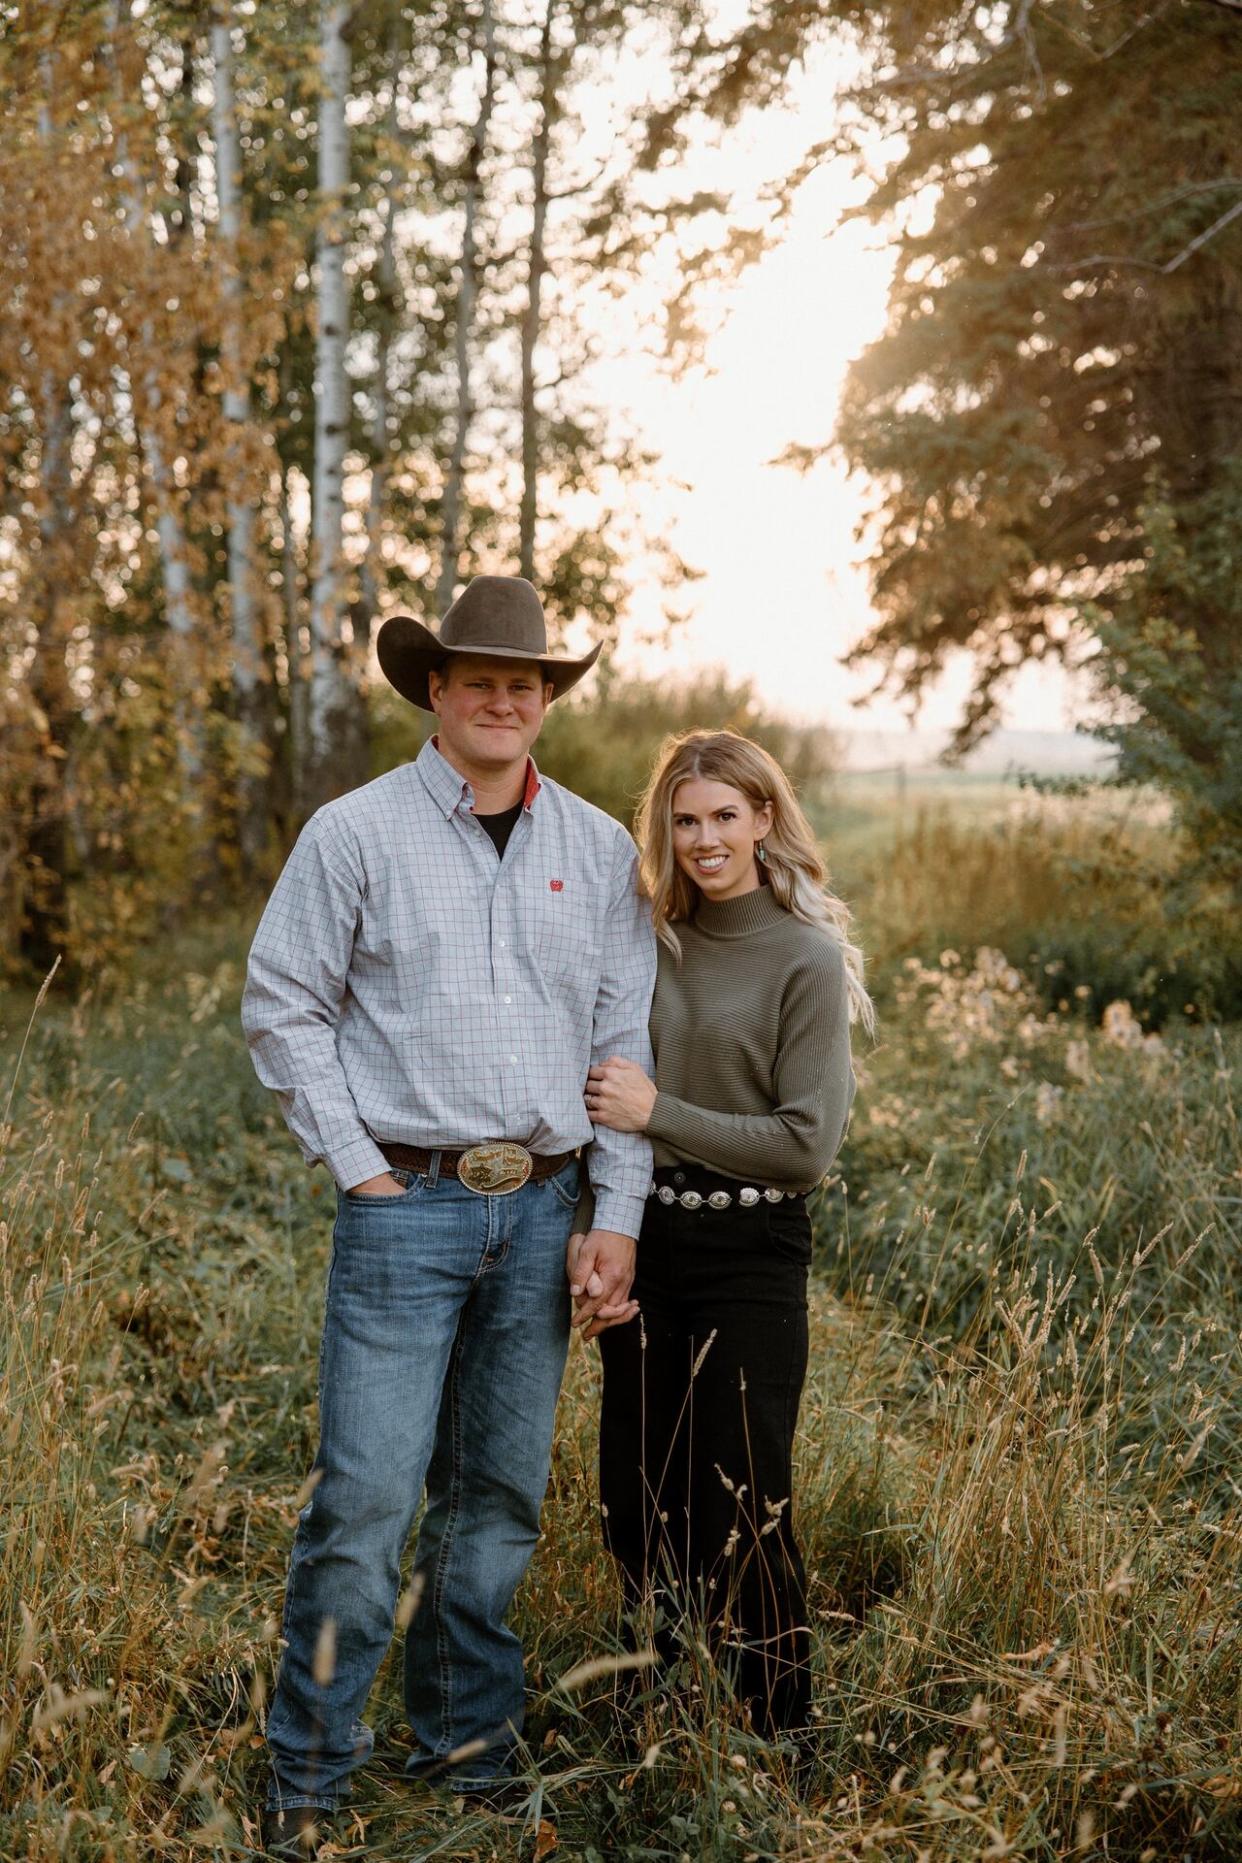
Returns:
(782, 595)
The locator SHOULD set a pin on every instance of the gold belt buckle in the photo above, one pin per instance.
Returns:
(495, 1170)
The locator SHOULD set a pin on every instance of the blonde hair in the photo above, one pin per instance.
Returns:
(794, 867)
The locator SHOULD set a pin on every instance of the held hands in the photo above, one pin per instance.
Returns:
(619, 1095)
(600, 1267)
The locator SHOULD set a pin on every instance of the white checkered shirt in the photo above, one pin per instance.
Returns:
(405, 985)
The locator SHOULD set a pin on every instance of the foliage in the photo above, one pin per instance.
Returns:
(1064, 314)
(1182, 687)
(147, 748)
(1056, 397)
(1092, 904)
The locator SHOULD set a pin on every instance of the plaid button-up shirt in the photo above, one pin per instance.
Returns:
(406, 985)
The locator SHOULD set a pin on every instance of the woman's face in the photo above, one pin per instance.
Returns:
(715, 828)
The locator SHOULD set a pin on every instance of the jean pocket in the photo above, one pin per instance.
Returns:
(565, 1186)
(370, 1199)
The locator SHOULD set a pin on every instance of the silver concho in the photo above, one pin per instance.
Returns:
(719, 1200)
(666, 1194)
(691, 1200)
(748, 1197)
(774, 1196)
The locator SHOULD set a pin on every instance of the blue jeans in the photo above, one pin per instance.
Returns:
(445, 1331)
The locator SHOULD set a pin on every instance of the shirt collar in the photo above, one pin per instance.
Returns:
(449, 789)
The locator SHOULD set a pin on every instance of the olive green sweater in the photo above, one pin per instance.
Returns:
(751, 1034)
(752, 1044)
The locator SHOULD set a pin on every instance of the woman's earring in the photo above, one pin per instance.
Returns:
(761, 853)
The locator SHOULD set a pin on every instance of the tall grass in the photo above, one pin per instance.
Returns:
(1018, 1460)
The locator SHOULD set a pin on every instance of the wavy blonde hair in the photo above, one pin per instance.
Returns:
(794, 868)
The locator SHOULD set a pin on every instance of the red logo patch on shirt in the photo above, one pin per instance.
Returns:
(556, 886)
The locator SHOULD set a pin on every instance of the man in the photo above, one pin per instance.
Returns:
(447, 952)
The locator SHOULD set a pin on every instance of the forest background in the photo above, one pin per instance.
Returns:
(297, 335)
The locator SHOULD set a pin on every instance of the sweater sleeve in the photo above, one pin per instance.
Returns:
(813, 1081)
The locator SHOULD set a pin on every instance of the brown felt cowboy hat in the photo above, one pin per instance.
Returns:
(498, 616)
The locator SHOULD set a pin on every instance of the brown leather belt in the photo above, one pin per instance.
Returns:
(414, 1158)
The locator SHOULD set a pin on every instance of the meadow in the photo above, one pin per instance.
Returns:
(1018, 1453)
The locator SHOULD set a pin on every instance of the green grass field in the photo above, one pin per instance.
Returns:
(1018, 1454)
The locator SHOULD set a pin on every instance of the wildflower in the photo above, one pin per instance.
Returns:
(1121, 1027)
(1078, 1060)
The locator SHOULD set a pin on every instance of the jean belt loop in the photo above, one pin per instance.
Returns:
(433, 1175)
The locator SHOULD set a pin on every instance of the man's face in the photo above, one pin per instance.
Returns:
(490, 710)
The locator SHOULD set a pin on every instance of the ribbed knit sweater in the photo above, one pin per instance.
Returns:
(751, 1037)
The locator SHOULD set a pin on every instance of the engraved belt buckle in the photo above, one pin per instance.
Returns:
(495, 1170)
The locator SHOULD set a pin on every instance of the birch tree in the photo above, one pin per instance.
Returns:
(549, 67)
(388, 293)
(149, 410)
(241, 489)
(331, 709)
(467, 291)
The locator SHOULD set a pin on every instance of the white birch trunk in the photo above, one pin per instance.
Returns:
(329, 684)
(297, 633)
(247, 655)
(236, 398)
(467, 291)
(388, 292)
(531, 319)
(174, 561)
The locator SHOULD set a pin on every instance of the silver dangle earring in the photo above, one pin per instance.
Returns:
(761, 853)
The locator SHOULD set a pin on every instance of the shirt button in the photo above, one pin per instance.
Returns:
(508, 999)
(679, 1177)
(513, 1057)
(502, 944)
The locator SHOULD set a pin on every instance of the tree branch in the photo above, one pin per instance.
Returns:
(1162, 200)
(1149, 265)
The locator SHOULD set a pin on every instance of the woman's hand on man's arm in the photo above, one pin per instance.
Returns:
(620, 1095)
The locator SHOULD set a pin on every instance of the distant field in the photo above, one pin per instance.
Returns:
(863, 813)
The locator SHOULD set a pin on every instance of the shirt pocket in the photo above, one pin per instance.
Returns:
(564, 941)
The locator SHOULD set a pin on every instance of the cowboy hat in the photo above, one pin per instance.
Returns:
(500, 617)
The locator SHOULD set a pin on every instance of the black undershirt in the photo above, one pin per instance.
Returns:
(501, 826)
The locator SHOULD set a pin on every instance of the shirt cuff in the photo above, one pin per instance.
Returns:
(356, 1162)
(621, 1214)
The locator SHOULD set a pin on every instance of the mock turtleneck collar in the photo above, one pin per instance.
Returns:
(738, 918)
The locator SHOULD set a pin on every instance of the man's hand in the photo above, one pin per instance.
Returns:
(601, 1271)
(381, 1186)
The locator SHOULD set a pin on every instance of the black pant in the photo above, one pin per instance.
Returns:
(701, 1398)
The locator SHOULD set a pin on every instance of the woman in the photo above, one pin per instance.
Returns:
(757, 985)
